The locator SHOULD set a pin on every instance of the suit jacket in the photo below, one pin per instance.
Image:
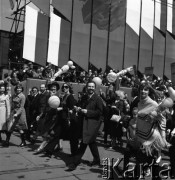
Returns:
(93, 118)
(43, 103)
(34, 108)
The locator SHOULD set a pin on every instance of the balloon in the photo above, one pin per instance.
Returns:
(97, 80)
(72, 67)
(54, 102)
(111, 77)
(65, 68)
(70, 63)
(1, 82)
(171, 93)
(57, 74)
(166, 103)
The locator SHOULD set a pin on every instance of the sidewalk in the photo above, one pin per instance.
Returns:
(20, 163)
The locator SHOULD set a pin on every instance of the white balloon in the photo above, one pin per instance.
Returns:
(57, 73)
(171, 93)
(65, 68)
(54, 102)
(72, 67)
(70, 63)
(97, 80)
(111, 77)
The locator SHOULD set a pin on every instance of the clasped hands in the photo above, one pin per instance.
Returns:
(79, 109)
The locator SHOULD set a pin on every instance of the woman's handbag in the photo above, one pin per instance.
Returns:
(116, 118)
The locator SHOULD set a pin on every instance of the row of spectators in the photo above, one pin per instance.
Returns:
(77, 76)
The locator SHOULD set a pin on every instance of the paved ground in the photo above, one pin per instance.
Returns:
(19, 163)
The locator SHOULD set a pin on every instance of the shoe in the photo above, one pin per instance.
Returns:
(71, 167)
(5, 144)
(22, 144)
(59, 149)
(32, 141)
(48, 154)
(95, 163)
(38, 151)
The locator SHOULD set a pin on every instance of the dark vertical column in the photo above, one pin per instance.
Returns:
(70, 41)
(164, 29)
(139, 35)
(153, 35)
(124, 39)
(109, 22)
(90, 37)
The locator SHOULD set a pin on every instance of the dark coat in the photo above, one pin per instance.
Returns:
(43, 109)
(93, 119)
(67, 120)
(43, 103)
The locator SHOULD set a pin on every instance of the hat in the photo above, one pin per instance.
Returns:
(54, 83)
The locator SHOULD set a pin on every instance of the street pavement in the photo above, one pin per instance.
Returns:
(21, 164)
(18, 163)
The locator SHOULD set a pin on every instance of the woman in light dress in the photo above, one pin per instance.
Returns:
(4, 110)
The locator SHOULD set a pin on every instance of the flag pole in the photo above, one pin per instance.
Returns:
(109, 29)
(90, 35)
(124, 43)
(139, 35)
(153, 34)
(165, 43)
(70, 41)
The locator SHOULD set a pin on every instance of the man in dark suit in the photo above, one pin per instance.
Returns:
(31, 107)
(92, 109)
(42, 102)
(42, 106)
(34, 108)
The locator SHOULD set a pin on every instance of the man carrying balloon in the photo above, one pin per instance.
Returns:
(49, 116)
(66, 123)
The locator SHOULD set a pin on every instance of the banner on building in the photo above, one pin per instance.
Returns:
(35, 36)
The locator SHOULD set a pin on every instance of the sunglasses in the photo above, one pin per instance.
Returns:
(66, 87)
(53, 89)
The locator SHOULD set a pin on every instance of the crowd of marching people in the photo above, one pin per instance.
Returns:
(147, 122)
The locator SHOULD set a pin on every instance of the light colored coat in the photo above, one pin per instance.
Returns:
(4, 111)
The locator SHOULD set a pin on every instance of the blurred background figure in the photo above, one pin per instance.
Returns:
(4, 110)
